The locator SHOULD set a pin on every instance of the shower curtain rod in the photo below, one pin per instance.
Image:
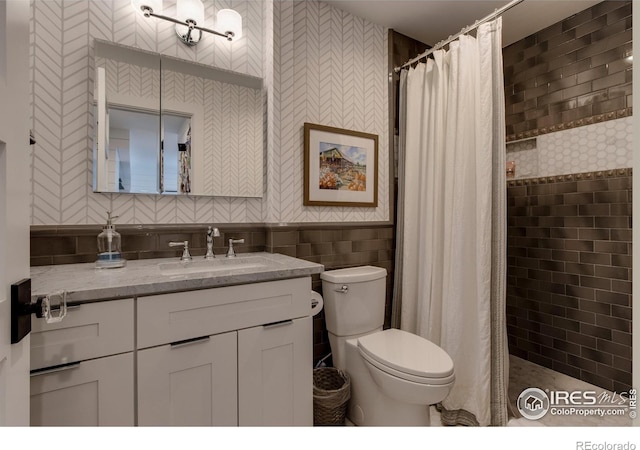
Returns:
(439, 45)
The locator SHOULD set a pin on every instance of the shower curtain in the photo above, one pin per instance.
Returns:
(453, 219)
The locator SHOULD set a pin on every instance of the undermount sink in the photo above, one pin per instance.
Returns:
(215, 265)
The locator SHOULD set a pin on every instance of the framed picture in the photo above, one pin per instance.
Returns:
(340, 167)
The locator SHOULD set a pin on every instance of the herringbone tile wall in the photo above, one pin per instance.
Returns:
(330, 68)
(325, 66)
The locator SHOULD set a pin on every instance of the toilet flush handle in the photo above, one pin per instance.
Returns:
(343, 290)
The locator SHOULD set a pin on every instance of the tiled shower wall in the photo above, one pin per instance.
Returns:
(573, 73)
(569, 275)
(569, 235)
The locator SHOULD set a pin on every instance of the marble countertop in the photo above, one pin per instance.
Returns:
(85, 283)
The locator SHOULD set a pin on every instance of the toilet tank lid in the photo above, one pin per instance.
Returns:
(354, 274)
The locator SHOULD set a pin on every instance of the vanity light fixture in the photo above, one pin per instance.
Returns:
(191, 17)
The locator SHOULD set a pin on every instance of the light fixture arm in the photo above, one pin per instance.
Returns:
(148, 12)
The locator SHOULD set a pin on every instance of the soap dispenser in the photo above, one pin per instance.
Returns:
(109, 256)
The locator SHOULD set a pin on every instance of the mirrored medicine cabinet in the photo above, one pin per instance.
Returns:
(168, 126)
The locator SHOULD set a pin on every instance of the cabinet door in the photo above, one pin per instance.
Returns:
(275, 374)
(189, 383)
(90, 393)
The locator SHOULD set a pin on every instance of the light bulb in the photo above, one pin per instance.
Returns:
(190, 10)
(229, 20)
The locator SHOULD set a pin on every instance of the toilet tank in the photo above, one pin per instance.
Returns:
(354, 299)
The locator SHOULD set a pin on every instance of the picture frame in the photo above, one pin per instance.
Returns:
(340, 167)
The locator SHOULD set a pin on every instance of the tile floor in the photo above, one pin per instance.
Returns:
(524, 374)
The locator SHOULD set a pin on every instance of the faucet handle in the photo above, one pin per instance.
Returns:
(186, 256)
(231, 253)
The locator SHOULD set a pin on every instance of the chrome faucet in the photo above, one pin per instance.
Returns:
(185, 253)
(211, 233)
(231, 253)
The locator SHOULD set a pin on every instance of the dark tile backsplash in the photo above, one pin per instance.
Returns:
(334, 246)
(575, 72)
(569, 275)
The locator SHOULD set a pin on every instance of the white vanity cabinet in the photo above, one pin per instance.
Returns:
(83, 367)
(234, 355)
(275, 373)
(192, 383)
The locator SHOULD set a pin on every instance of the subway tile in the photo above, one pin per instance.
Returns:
(43, 246)
(612, 222)
(595, 307)
(609, 105)
(581, 316)
(555, 354)
(289, 250)
(310, 236)
(369, 245)
(622, 287)
(621, 261)
(342, 247)
(595, 258)
(284, 238)
(593, 282)
(565, 301)
(622, 312)
(620, 337)
(581, 363)
(592, 74)
(613, 298)
(577, 19)
(591, 25)
(598, 380)
(615, 349)
(303, 250)
(565, 255)
(581, 292)
(594, 209)
(566, 346)
(613, 323)
(565, 278)
(597, 356)
(595, 234)
(579, 269)
(620, 183)
(595, 331)
(321, 248)
(575, 93)
(618, 15)
(621, 248)
(359, 234)
(609, 371)
(579, 245)
(334, 235)
(579, 221)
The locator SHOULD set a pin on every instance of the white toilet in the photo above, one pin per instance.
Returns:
(395, 375)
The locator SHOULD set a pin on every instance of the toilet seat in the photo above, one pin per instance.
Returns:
(407, 356)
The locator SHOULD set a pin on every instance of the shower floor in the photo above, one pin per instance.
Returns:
(524, 374)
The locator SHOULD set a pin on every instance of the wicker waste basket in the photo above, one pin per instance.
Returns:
(331, 393)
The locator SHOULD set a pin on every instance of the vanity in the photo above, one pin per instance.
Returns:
(159, 342)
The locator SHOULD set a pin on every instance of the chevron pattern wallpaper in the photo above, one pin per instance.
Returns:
(325, 66)
(330, 68)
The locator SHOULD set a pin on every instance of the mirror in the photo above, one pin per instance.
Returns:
(168, 126)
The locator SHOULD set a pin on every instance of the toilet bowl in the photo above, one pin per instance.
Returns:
(395, 375)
